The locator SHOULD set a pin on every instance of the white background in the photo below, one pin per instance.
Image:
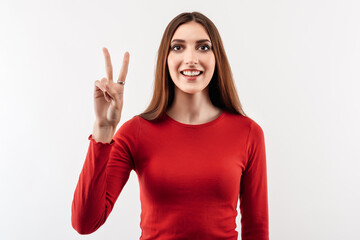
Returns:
(296, 67)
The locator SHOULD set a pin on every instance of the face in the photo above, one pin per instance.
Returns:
(190, 54)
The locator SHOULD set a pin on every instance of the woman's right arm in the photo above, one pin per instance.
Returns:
(105, 172)
(90, 208)
(108, 163)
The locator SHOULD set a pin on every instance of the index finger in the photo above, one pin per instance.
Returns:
(124, 67)
(108, 66)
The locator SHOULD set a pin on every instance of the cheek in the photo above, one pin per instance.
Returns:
(171, 61)
(211, 67)
(209, 62)
(212, 62)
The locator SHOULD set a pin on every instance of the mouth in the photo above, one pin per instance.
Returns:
(191, 74)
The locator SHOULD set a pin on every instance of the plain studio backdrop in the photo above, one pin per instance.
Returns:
(296, 69)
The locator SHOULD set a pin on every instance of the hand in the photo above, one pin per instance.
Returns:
(108, 95)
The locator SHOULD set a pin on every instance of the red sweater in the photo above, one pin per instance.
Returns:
(190, 178)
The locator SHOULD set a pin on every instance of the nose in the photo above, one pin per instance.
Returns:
(190, 57)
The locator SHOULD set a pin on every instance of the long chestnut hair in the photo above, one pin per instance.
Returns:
(222, 90)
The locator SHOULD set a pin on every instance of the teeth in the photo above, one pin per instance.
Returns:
(191, 73)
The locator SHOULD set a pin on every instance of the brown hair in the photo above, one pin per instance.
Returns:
(222, 90)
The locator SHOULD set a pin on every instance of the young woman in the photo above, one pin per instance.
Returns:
(194, 150)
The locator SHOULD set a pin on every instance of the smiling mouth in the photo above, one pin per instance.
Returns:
(191, 75)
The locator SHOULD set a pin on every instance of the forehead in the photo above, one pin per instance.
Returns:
(190, 32)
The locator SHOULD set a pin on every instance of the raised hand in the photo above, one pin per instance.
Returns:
(108, 95)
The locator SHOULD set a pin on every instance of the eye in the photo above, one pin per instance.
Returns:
(206, 46)
(175, 47)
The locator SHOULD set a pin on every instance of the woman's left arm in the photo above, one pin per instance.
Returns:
(253, 188)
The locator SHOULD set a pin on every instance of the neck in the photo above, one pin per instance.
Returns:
(193, 108)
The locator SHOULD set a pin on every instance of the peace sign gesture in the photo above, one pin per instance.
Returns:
(108, 95)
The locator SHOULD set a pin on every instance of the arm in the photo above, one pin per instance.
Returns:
(253, 190)
(105, 172)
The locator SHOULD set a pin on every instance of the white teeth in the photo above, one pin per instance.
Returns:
(191, 73)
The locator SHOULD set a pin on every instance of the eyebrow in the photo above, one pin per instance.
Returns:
(198, 41)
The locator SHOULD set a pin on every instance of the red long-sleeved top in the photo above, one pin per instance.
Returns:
(190, 178)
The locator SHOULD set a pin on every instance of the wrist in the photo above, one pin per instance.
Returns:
(105, 126)
(103, 133)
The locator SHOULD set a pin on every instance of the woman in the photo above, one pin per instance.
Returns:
(194, 150)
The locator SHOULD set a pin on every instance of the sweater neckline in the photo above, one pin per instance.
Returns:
(196, 125)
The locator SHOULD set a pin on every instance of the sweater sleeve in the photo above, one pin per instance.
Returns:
(105, 171)
(253, 189)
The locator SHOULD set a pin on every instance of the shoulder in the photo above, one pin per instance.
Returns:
(255, 133)
(243, 121)
(131, 123)
(247, 126)
(129, 128)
